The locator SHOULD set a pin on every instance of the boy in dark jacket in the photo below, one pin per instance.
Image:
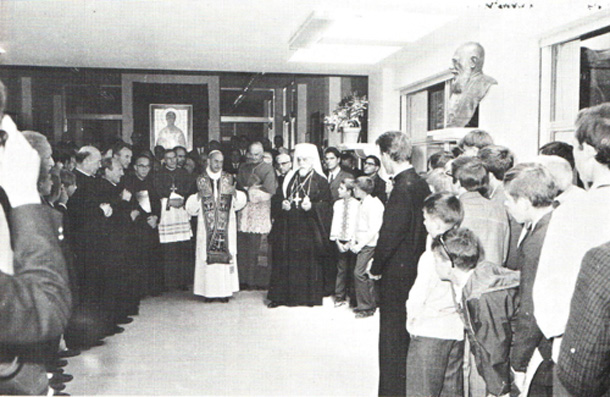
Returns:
(530, 192)
(486, 295)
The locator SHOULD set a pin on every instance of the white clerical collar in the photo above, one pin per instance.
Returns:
(213, 175)
(83, 172)
(398, 168)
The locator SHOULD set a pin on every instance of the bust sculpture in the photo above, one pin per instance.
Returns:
(469, 86)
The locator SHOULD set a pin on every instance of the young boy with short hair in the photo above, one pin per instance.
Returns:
(486, 296)
(531, 191)
(343, 233)
(370, 218)
(436, 350)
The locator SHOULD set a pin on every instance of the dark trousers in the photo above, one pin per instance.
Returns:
(251, 272)
(364, 286)
(393, 336)
(328, 265)
(344, 281)
(434, 367)
(178, 267)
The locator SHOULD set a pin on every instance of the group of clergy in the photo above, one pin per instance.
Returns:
(258, 224)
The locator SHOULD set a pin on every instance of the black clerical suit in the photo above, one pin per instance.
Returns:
(144, 248)
(402, 239)
(81, 208)
(111, 246)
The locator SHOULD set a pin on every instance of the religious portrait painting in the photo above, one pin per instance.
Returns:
(171, 126)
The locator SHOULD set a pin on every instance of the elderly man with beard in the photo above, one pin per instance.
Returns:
(470, 85)
(258, 179)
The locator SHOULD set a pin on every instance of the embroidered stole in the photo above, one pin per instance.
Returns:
(216, 200)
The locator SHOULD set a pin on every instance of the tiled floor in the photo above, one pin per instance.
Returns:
(179, 345)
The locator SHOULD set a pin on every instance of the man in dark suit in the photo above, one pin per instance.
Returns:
(402, 240)
(529, 193)
(34, 292)
(335, 174)
(372, 164)
(144, 239)
(81, 206)
(584, 360)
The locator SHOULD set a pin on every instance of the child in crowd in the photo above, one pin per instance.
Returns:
(531, 191)
(486, 218)
(486, 296)
(436, 350)
(343, 233)
(473, 141)
(370, 218)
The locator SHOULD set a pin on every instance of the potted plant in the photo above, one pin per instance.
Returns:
(346, 118)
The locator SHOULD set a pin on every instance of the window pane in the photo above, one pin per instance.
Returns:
(253, 103)
(595, 71)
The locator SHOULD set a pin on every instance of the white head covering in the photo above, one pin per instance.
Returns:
(308, 150)
(311, 151)
(213, 175)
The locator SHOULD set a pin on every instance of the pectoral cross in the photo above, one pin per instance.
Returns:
(297, 199)
(172, 189)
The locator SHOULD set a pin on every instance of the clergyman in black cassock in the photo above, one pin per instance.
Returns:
(402, 240)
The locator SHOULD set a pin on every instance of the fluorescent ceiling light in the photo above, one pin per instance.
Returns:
(388, 27)
(347, 54)
(340, 37)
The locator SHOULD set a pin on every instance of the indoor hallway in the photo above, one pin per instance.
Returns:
(179, 345)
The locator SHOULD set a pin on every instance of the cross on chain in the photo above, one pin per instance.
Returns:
(297, 199)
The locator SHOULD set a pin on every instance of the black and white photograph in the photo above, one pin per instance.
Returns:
(305, 198)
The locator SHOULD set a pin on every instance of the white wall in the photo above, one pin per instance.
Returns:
(384, 102)
(510, 112)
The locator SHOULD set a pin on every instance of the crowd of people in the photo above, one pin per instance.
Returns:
(491, 277)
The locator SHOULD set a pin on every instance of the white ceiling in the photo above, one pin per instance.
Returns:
(212, 35)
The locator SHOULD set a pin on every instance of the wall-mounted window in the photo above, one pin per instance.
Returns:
(250, 113)
(575, 73)
(423, 105)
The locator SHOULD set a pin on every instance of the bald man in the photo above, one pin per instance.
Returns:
(257, 178)
(469, 86)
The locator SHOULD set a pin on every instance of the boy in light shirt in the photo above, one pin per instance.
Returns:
(370, 218)
(343, 233)
(436, 351)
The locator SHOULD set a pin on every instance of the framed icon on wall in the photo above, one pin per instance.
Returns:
(171, 126)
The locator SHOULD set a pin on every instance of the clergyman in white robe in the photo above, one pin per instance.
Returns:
(213, 280)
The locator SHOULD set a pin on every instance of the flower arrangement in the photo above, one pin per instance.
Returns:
(348, 112)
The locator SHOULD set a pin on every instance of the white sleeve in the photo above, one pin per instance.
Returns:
(193, 205)
(374, 220)
(335, 227)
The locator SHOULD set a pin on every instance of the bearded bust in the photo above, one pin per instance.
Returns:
(469, 85)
